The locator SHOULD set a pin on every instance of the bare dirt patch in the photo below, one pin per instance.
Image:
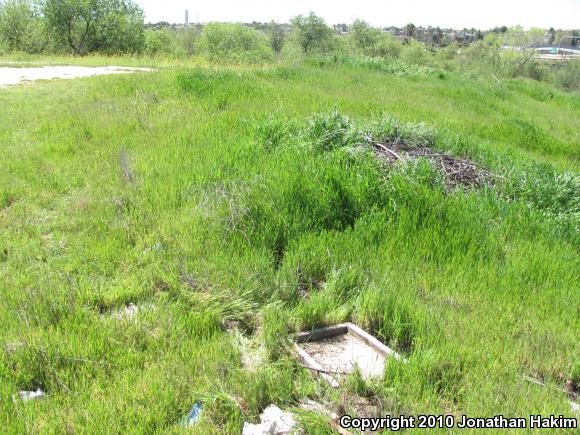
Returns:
(15, 75)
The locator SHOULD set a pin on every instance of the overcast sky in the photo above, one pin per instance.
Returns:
(481, 14)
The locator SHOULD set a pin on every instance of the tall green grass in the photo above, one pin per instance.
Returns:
(246, 201)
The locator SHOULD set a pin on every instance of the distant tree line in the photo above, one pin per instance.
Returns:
(81, 27)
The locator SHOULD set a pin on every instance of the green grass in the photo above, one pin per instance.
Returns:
(214, 197)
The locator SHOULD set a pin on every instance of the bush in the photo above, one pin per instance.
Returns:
(233, 42)
(365, 38)
(185, 41)
(277, 36)
(372, 42)
(536, 71)
(568, 76)
(415, 53)
(387, 46)
(157, 42)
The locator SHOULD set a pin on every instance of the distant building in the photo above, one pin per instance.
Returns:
(395, 31)
(460, 38)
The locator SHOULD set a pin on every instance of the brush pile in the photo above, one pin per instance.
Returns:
(457, 171)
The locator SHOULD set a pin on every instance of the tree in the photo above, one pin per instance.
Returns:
(575, 38)
(21, 26)
(551, 36)
(410, 30)
(340, 28)
(437, 36)
(312, 32)
(365, 37)
(276, 33)
(85, 26)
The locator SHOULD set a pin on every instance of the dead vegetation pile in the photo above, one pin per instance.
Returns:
(456, 171)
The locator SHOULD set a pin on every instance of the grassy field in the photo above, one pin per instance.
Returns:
(215, 199)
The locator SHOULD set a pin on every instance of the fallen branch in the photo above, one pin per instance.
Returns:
(455, 170)
(542, 384)
(390, 151)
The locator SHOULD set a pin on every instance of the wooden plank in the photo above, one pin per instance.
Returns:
(322, 333)
(372, 341)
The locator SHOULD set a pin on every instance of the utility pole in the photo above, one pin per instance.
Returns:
(186, 18)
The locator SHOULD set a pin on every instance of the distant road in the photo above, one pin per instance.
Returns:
(550, 52)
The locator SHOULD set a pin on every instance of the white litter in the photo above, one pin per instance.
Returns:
(131, 310)
(273, 421)
(12, 347)
(157, 247)
(14, 76)
(127, 312)
(575, 406)
(25, 396)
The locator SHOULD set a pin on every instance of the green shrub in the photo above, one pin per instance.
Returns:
(233, 42)
(277, 37)
(415, 53)
(185, 41)
(387, 46)
(568, 76)
(364, 36)
(157, 42)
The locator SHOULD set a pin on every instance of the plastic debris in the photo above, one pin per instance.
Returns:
(575, 406)
(157, 247)
(25, 396)
(193, 416)
(273, 421)
(12, 347)
(127, 312)
(131, 310)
